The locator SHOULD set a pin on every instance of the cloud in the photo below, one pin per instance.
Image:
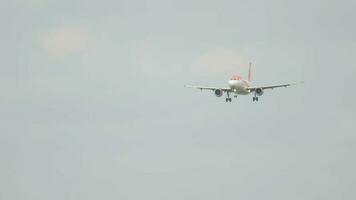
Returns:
(66, 41)
(221, 60)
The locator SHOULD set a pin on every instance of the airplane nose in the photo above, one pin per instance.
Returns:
(232, 82)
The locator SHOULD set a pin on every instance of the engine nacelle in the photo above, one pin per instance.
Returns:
(218, 92)
(259, 91)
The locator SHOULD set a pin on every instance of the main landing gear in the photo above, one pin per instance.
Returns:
(255, 98)
(228, 99)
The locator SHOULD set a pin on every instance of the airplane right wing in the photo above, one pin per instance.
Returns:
(208, 88)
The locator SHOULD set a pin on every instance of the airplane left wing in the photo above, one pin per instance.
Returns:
(208, 88)
(252, 89)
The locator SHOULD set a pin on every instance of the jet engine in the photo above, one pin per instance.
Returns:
(259, 91)
(218, 92)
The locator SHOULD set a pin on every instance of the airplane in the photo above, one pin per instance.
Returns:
(239, 86)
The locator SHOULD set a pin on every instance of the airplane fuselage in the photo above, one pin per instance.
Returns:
(239, 86)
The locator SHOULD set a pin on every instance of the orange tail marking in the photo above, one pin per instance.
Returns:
(250, 72)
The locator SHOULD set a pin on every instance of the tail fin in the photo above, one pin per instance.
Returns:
(250, 72)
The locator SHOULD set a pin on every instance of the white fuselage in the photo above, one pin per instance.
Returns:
(239, 86)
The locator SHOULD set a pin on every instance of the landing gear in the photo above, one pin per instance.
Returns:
(255, 98)
(228, 99)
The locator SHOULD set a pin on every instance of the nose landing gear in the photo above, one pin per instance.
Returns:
(255, 98)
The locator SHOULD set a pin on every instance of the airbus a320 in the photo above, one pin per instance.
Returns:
(240, 86)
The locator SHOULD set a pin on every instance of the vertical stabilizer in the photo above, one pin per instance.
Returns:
(250, 72)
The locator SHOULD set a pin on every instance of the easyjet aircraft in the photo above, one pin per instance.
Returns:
(239, 86)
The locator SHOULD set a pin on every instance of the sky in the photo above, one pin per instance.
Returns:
(93, 104)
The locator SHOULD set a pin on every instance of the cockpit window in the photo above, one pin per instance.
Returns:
(236, 77)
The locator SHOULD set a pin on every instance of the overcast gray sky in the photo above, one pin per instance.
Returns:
(93, 105)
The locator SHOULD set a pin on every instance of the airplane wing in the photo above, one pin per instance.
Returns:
(208, 88)
(252, 89)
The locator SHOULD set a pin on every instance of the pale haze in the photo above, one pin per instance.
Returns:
(93, 104)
